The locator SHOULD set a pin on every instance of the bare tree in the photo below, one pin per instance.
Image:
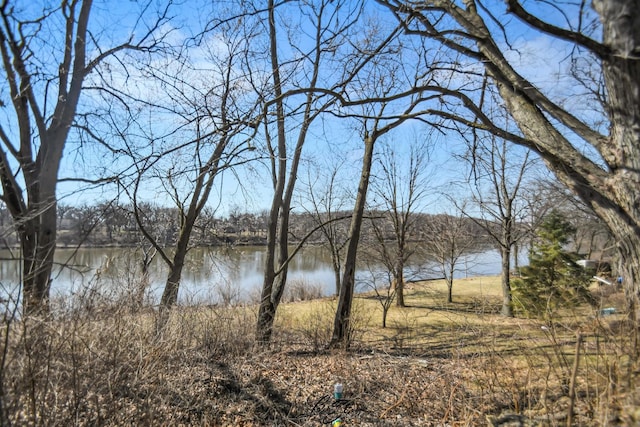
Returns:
(44, 75)
(388, 100)
(594, 151)
(302, 89)
(380, 283)
(210, 106)
(497, 179)
(450, 239)
(326, 203)
(375, 127)
(400, 188)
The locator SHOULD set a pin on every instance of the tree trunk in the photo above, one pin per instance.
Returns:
(38, 235)
(505, 253)
(172, 286)
(622, 78)
(36, 218)
(267, 310)
(335, 259)
(400, 285)
(38, 243)
(450, 282)
(278, 237)
(628, 245)
(145, 280)
(342, 322)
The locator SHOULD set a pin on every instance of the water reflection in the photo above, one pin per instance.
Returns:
(209, 272)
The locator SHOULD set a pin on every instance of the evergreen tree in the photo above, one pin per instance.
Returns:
(552, 280)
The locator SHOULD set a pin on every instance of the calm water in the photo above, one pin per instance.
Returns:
(209, 273)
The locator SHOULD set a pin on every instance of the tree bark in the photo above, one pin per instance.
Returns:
(621, 32)
(342, 322)
(400, 286)
(505, 253)
(268, 305)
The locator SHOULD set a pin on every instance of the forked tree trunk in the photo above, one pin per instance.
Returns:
(267, 309)
(35, 215)
(39, 233)
(277, 235)
(273, 286)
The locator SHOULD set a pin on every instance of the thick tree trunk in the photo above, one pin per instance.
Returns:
(38, 236)
(36, 217)
(342, 322)
(38, 243)
(172, 285)
(274, 282)
(267, 309)
(621, 69)
(628, 244)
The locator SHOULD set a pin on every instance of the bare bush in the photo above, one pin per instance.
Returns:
(302, 290)
(228, 293)
(107, 367)
(80, 368)
(315, 326)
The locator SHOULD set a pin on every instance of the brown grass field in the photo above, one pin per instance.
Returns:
(436, 364)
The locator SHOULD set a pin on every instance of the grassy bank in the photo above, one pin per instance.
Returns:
(435, 364)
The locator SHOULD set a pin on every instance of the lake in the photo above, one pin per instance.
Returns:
(212, 273)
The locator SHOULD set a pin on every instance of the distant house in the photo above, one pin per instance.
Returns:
(598, 268)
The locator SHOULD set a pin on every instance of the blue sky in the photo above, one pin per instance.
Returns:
(541, 59)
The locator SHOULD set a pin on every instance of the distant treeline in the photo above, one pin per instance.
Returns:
(111, 224)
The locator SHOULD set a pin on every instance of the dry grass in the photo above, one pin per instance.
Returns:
(436, 364)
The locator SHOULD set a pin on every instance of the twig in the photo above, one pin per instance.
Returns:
(572, 384)
(384, 413)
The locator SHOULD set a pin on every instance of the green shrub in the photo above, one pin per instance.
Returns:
(552, 280)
